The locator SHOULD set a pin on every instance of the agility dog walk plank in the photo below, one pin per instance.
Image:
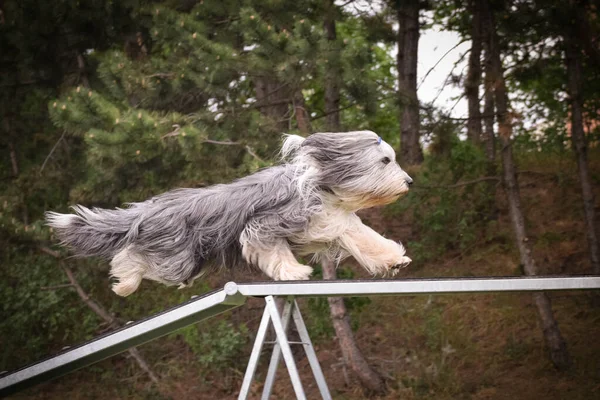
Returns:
(234, 295)
(115, 342)
(417, 286)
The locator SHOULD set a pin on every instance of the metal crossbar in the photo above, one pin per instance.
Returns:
(234, 295)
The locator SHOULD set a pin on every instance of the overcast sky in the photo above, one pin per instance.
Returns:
(433, 44)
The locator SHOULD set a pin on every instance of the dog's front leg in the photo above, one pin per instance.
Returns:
(276, 260)
(375, 253)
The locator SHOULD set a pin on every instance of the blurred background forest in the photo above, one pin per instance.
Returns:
(108, 102)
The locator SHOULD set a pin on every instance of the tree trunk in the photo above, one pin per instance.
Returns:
(573, 61)
(332, 74)
(490, 209)
(474, 75)
(352, 355)
(353, 358)
(584, 32)
(489, 106)
(554, 341)
(274, 100)
(11, 147)
(408, 47)
(302, 116)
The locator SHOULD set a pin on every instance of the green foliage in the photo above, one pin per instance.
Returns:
(216, 345)
(41, 314)
(448, 217)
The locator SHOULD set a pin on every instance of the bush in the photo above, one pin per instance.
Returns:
(218, 346)
(448, 217)
(42, 317)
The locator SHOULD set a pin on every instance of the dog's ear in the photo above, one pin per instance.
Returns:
(290, 146)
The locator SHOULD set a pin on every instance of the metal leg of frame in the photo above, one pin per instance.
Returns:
(310, 352)
(276, 355)
(288, 357)
(255, 355)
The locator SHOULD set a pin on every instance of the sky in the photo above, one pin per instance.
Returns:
(433, 44)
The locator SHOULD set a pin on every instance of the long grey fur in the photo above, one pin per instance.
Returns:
(184, 232)
(175, 237)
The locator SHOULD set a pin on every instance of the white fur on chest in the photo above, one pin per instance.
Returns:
(323, 231)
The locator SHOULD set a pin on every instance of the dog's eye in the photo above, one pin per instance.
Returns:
(385, 160)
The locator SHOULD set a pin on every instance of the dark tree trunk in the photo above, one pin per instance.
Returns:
(474, 75)
(273, 97)
(333, 73)
(573, 61)
(14, 162)
(584, 32)
(352, 355)
(302, 115)
(490, 209)
(81, 66)
(554, 340)
(489, 109)
(408, 47)
(353, 358)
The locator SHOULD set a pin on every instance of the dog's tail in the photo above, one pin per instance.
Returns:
(95, 232)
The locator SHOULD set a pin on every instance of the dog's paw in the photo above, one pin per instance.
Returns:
(401, 263)
(295, 272)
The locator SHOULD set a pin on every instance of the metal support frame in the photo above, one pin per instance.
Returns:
(234, 295)
(282, 347)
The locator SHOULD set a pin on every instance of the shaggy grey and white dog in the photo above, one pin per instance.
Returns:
(305, 206)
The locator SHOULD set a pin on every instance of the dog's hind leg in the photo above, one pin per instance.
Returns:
(276, 260)
(129, 267)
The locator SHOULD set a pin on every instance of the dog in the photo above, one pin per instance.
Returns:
(305, 206)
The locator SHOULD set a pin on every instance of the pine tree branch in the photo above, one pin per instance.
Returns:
(346, 3)
(52, 151)
(332, 112)
(63, 286)
(478, 180)
(161, 75)
(50, 252)
(174, 132)
(223, 143)
(459, 184)
(253, 154)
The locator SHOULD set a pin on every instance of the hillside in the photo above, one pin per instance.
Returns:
(429, 347)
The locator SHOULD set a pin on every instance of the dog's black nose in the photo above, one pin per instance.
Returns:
(409, 180)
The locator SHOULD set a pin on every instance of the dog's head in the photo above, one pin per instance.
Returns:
(359, 168)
